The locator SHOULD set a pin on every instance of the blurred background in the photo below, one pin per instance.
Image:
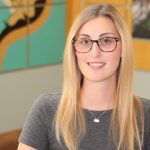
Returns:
(32, 40)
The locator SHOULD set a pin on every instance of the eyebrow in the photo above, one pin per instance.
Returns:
(101, 35)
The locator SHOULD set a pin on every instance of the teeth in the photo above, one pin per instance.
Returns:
(96, 64)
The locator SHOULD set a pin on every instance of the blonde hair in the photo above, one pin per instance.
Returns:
(128, 110)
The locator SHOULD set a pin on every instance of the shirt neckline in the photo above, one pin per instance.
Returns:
(98, 111)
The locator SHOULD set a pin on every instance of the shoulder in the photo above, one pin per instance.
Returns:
(39, 121)
(51, 100)
(146, 105)
(46, 104)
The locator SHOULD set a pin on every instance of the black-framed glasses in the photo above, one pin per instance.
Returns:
(105, 44)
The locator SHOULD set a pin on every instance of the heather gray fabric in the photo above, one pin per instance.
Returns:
(38, 132)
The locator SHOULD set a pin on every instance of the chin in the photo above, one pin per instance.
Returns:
(94, 79)
(100, 78)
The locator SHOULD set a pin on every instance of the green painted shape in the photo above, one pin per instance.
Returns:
(2, 4)
(47, 44)
(56, 1)
(4, 15)
(16, 56)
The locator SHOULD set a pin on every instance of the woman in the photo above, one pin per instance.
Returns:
(97, 109)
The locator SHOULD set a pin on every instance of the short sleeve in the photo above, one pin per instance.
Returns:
(147, 146)
(147, 125)
(34, 132)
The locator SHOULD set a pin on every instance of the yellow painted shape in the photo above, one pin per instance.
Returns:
(129, 18)
(73, 9)
(130, 2)
(122, 11)
(142, 54)
(115, 2)
(20, 14)
(126, 12)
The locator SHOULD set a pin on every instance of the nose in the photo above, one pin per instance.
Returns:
(95, 50)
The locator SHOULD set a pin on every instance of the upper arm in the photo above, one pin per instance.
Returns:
(147, 126)
(22, 146)
(35, 130)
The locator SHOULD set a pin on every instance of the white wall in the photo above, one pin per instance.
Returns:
(142, 83)
(19, 89)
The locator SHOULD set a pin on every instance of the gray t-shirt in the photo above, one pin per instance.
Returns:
(39, 133)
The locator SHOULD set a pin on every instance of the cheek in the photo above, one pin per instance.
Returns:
(81, 60)
(80, 63)
(114, 60)
(119, 49)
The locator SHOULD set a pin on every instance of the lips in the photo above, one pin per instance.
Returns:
(96, 65)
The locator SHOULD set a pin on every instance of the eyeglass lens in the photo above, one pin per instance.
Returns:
(106, 44)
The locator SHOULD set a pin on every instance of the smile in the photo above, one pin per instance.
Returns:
(96, 65)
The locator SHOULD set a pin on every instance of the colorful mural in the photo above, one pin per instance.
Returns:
(32, 33)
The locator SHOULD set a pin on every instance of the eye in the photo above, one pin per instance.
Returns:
(84, 41)
(106, 40)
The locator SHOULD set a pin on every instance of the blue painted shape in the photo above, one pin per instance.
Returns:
(4, 15)
(16, 56)
(56, 1)
(47, 44)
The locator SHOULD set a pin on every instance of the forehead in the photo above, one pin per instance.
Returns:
(98, 26)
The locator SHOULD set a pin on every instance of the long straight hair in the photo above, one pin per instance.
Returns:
(127, 116)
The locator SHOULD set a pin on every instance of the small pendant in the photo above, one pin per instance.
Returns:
(96, 120)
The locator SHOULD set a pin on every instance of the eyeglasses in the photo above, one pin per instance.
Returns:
(105, 44)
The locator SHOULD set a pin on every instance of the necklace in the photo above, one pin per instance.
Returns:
(96, 119)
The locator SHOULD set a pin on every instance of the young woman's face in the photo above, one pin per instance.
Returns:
(97, 65)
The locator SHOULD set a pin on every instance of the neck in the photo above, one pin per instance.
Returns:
(98, 95)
